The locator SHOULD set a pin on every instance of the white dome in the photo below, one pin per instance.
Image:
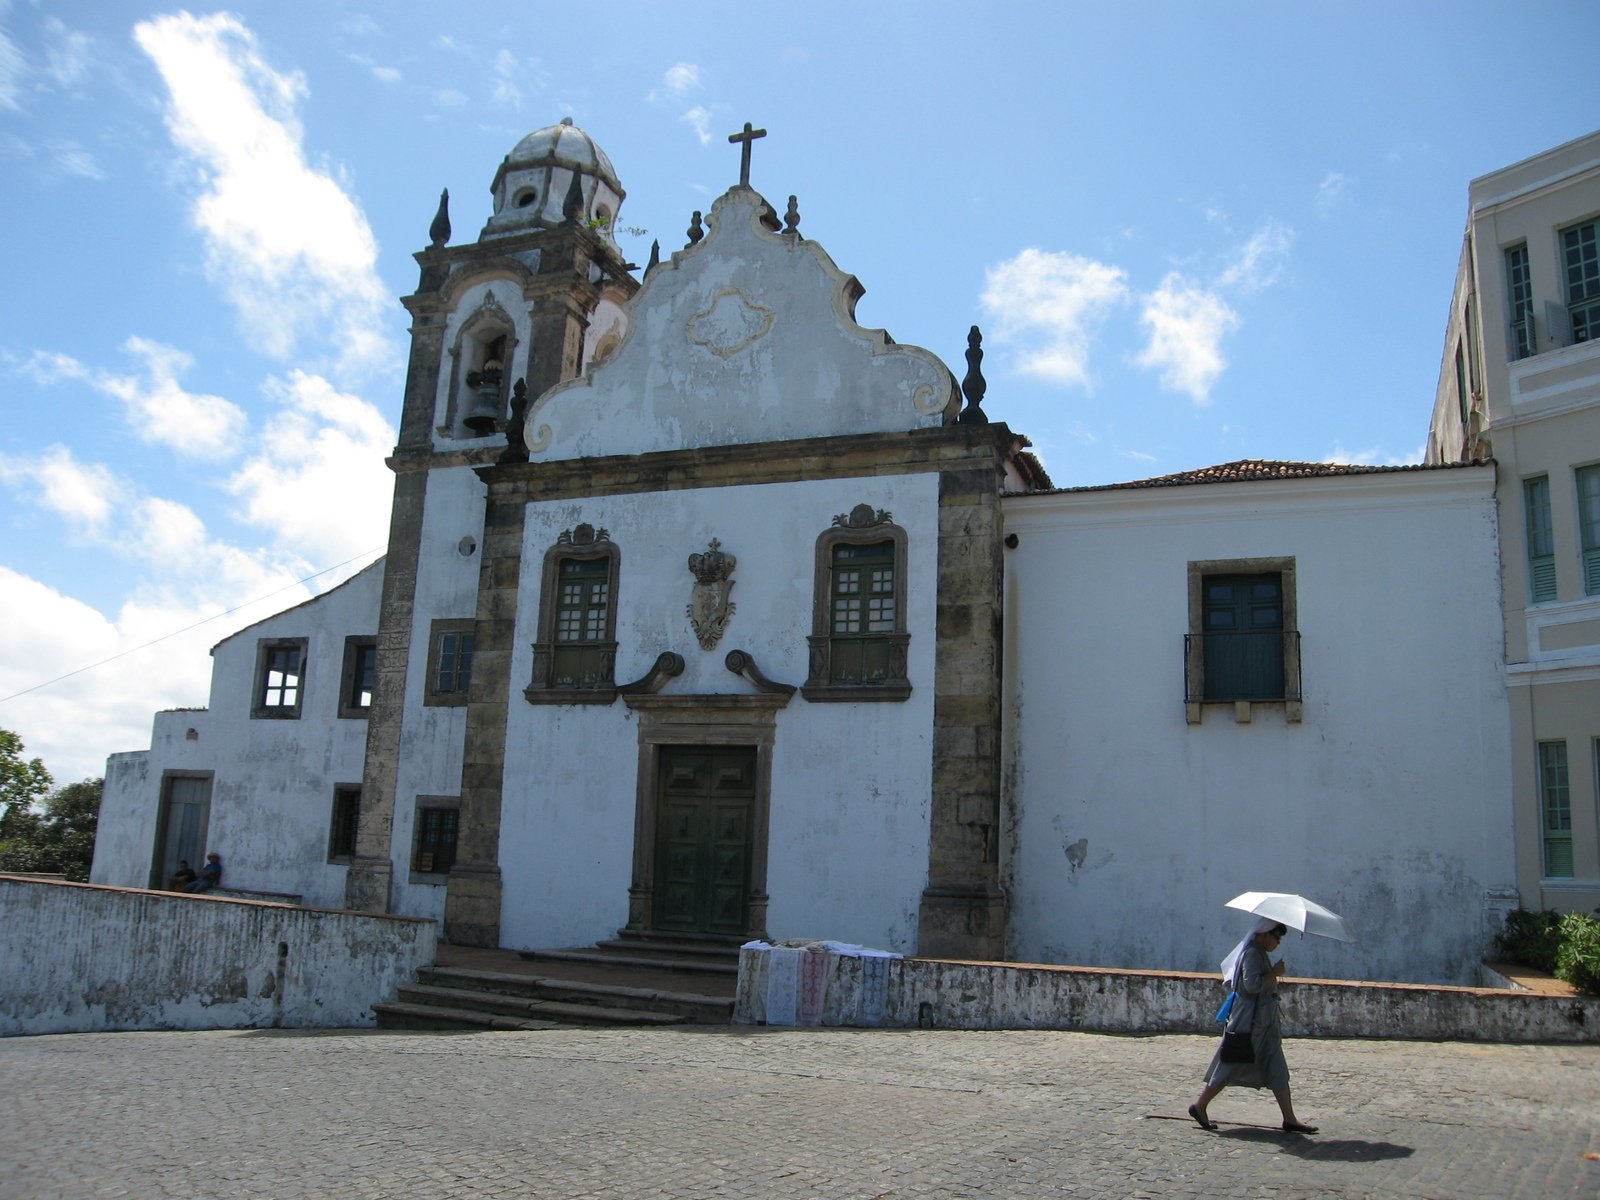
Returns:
(531, 185)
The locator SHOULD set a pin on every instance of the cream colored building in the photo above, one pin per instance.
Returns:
(1520, 382)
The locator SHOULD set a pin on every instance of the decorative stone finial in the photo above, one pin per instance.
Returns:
(791, 219)
(516, 433)
(439, 231)
(696, 230)
(974, 385)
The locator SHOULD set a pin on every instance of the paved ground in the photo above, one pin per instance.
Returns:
(719, 1112)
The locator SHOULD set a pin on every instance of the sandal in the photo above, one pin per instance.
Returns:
(1298, 1127)
(1199, 1120)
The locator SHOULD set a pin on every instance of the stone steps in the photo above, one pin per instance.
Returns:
(578, 986)
(648, 957)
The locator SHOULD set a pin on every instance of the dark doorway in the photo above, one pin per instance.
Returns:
(703, 838)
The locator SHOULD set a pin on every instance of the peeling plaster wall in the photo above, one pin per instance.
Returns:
(939, 994)
(272, 778)
(78, 958)
(567, 821)
(433, 736)
(1390, 802)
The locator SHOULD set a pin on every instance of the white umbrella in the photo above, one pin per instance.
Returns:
(1296, 912)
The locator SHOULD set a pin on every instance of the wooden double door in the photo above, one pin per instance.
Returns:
(704, 824)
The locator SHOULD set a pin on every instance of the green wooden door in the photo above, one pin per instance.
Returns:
(707, 794)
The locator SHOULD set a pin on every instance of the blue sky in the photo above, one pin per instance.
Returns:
(1191, 233)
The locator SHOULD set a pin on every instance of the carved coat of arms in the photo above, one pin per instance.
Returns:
(709, 605)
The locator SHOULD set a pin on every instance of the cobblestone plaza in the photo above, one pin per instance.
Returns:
(714, 1112)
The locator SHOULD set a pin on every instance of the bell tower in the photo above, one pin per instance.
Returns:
(495, 324)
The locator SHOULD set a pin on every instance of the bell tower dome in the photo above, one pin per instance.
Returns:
(534, 185)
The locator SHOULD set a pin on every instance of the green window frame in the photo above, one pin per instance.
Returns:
(1580, 260)
(437, 829)
(1587, 480)
(1541, 539)
(859, 641)
(1242, 625)
(345, 821)
(863, 601)
(575, 658)
(1519, 300)
(582, 622)
(1555, 809)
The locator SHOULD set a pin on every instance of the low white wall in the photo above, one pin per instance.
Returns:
(79, 958)
(944, 994)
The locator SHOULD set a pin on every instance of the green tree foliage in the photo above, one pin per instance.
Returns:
(1578, 960)
(55, 834)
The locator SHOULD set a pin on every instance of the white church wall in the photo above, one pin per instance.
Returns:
(433, 736)
(567, 821)
(272, 779)
(1388, 802)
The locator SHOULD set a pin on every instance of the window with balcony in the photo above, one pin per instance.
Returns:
(858, 639)
(1243, 643)
(575, 658)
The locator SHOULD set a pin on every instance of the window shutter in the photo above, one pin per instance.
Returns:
(1557, 323)
(1591, 572)
(1542, 578)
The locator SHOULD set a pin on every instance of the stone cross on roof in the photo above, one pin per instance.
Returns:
(749, 135)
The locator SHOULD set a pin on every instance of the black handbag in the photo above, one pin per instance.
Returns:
(1237, 1048)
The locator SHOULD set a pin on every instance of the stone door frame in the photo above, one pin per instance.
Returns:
(712, 720)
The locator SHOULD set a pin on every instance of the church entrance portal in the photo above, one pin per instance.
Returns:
(704, 830)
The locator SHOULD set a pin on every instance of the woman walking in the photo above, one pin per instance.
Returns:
(1255, 1010)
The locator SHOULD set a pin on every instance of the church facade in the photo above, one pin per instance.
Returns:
(707, 611)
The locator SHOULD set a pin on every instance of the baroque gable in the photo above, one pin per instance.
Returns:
(746, 336)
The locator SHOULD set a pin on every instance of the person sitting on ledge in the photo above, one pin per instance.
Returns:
(182, 877)
(210, 875)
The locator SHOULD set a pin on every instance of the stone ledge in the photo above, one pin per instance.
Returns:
(933, 993)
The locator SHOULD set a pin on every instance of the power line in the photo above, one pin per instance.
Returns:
(187, 628)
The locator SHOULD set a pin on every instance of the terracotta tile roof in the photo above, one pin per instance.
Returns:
(1246, 470)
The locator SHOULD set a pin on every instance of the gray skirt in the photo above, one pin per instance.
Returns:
(1270, 1069)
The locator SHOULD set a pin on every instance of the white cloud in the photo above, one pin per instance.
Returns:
(1332, 193)
(1260, 261)
(1049, 304)
(678, 81)
(85, 496)
(12, 70)
(1185, 325)
(72, 159)
(321, 454)
(1374, 457)
(1140, 456)
(70, 54)
(451, 98)
(156, 406)
(699, 119)
(292, 251)
(387, 74)
(505, 86)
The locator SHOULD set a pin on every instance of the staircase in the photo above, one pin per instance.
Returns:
(634, 979)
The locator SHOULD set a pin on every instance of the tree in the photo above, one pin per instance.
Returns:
(57, 836)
